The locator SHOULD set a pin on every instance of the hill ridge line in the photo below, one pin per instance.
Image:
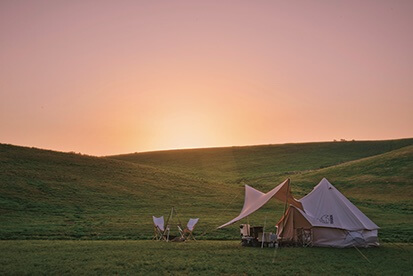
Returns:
(252, 146)
(361, 159)
(346, 163)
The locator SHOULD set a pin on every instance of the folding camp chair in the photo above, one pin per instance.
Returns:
(187, 232)
(158, 228)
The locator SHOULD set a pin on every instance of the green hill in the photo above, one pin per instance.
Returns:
(54, 195)
(237, 164)
(46, 194)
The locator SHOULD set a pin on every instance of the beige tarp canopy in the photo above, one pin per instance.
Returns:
(324, 217)
(255, 199)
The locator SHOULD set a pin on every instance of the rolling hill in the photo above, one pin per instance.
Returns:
(46, 194)
(237, 164)
(53, 195)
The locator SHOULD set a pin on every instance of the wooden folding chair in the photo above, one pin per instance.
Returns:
(188, 231)
(158, 228)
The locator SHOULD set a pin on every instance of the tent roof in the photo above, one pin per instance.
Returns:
(325, 206)
(255, 199)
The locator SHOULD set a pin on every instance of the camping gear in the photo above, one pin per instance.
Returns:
(255, 199)
(324, 217)
(328, 219)
(187, 233)
(256, 237)
(158, 228)
(162, 230)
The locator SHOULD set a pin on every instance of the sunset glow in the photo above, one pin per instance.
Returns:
(109, 77)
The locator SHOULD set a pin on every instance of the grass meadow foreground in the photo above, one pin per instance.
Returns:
(65, 213)
(52, 195)
(200, 257)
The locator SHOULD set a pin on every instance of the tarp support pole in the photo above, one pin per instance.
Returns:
(285, 207)
(263, 231)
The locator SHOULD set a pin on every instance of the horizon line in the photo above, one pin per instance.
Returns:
(341, 140)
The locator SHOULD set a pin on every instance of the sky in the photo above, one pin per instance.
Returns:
(107, 77)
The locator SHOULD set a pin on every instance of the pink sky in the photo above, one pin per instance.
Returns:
(107, 77)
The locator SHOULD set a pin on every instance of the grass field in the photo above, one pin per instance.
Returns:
(201, 257)
(54, 195)
(66, 213)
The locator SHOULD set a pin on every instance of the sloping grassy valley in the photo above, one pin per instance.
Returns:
(53, 195)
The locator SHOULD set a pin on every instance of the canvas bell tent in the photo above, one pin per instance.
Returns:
(324, 217)
(328, 218)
